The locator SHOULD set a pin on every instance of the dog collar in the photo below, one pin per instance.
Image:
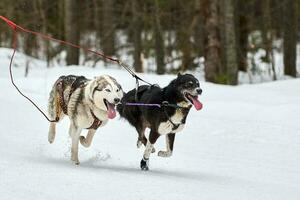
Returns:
(184, 104)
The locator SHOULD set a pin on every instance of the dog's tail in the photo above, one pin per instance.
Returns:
(131, 113)
(54, 108)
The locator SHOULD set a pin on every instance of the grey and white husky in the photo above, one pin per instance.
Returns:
(88, 103)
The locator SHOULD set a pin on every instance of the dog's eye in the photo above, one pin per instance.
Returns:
(118, 90)
(107, 90)
(189, 84)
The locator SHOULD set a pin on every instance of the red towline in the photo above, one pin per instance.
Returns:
(15, 27)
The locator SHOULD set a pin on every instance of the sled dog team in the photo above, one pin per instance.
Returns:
(89, 104)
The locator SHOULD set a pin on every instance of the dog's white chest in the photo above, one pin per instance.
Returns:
(86, 119)
(167, 127)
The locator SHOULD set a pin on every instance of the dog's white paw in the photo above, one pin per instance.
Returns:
(51, 137)
(139, 143)
(83, 141)
(153, 150)
(164, 153)
(75, 162)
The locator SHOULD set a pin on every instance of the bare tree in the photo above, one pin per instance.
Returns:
(199, 30)
(72, 30)
(267, 36)
(212, 40)
(289, 37)
(108, 27)
(230, 43)
(188, 20)
(137, 35)
(159, 41)
(242, 30)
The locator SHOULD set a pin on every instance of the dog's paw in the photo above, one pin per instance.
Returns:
(144, 164)
(51, 137)
(153, 150)
(164, 153)
(139, 143)
(83, 141)
(75, 162)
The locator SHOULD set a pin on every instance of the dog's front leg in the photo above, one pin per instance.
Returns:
(169, 145)
(74, 133)
(86, 141)
(52, 131)
(149, 147)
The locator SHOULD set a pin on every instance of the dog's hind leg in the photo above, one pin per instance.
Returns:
(74, 133)
(142, 138)
(149, 147)
(169, 145)
(86, 141)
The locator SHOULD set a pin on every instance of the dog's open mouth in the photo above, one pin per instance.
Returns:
(194, 100)
(111, 111)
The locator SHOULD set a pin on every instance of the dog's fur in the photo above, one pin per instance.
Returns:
(89, 100)
(161, 121)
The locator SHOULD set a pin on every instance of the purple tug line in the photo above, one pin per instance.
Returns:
(143, 104)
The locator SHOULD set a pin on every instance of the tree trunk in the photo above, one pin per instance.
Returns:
(198, 33)
(212, 41)
(289, 38)
(137, 35)
(242, 30)
(267, 35)
(159, 42)
(42, 12)
(108, 27)
(185, 46)
(72, 30)
(230, 43)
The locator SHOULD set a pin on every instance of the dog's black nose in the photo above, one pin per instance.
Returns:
(116, 100)
(199, 91)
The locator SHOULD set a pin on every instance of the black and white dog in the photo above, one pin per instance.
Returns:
(180, 94)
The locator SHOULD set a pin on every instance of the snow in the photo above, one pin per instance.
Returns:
(244, 144)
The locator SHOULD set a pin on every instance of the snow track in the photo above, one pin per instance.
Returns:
(244, 144)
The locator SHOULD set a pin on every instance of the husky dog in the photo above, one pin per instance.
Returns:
(88, 103)
(180, 95)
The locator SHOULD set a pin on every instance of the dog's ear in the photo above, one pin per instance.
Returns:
(179, 74)
(101, 83)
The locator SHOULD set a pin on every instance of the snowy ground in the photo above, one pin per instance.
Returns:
(244, 144)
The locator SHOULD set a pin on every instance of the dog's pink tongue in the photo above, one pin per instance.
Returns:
(197, 104)
(111, 112)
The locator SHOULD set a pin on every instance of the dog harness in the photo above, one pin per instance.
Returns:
(175, 125)
(95, 125)
(75, 82)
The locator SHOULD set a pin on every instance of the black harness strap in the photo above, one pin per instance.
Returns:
(175, 126)
(167, 104)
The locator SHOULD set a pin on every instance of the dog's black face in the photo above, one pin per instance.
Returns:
(189, 89)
